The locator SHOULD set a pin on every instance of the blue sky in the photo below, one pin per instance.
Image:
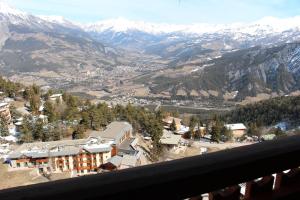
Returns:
(167, 11)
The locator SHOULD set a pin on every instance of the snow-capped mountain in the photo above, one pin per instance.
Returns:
(12, 16)
(263, 55)
(188, 42)
(31, 43)
(267, 25)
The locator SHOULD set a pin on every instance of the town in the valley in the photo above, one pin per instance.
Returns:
(48, 136)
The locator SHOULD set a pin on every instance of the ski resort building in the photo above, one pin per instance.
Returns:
(81, 156)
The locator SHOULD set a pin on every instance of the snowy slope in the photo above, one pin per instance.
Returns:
(11, 15)
(267, 25)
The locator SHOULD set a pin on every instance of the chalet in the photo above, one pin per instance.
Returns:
(169, 120)
(169, 139)
(238, 130)
(56, 97)
(5, 112)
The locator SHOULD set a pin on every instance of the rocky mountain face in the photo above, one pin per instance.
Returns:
(236, 75)
(230, 62)
(180, 44)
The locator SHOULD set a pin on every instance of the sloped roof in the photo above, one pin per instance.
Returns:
(116, 160)
(169, 138)
(114, 131)
(129, 160)
(55, 95)
(59, 148)
(169, 120)
(238, 126)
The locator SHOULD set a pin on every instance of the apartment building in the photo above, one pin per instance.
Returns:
(81, 156)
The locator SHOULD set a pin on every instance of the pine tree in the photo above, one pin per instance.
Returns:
(35, 103)
(57, 133)
(226, 133)
(26, 130)
(46, 135)
(49, 111)
(3, 128)
(78, 132)
(192, 125)
(216, 132)
(38, 129)
(173, 126)
(253, 130)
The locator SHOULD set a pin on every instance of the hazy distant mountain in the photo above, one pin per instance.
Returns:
(201, 60)
(165, 39)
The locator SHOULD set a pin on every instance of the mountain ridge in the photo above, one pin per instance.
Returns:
(266, 24)
(195, 61)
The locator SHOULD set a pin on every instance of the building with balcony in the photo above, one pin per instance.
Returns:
(80, 156)
(120, 133)
(262, 171)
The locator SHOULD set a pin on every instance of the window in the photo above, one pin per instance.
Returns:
(26, 164)
(18, 165)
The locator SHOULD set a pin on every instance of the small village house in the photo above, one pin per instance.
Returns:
(56, 97)
(121, 162)
(169, 120)
(169, 139)
(238, 130)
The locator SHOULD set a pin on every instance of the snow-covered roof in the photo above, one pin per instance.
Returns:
(169, 120)
(10, 138)
(183, 129)
(55, 95)
(233, 127)
(282, 125)
(2, 104)
(60, 148)
(169, 138)
(43, 116)
(18, 123)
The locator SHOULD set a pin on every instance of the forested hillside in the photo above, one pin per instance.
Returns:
(268, 112)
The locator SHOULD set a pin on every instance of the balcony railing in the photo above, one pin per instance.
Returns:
(216, 173)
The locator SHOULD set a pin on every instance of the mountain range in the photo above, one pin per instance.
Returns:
(230, 62)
